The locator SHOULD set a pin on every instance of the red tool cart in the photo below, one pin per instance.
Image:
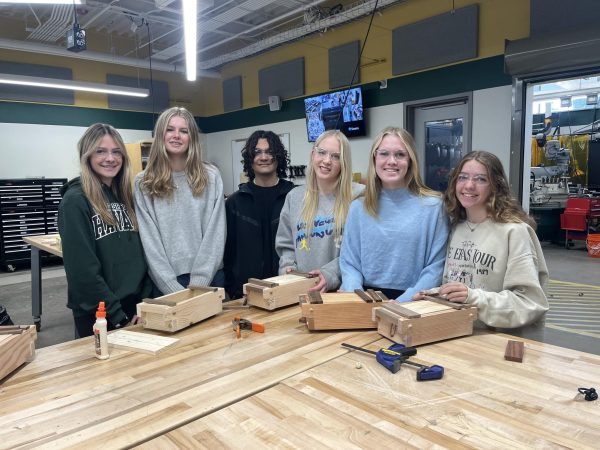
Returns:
(580, 214)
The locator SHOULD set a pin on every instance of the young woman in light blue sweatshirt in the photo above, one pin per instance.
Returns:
(395, 237)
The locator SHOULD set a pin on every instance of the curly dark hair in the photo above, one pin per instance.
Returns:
(275, 147)
(501, 206)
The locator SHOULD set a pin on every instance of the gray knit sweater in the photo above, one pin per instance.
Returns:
(321, 250)
(183, 234)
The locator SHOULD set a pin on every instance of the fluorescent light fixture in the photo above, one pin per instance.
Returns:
(56, 83)
(43, 2)
(190, 13)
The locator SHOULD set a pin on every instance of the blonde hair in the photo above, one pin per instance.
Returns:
(412, 178)
(90, 181)
(342, 190)
(157, 179)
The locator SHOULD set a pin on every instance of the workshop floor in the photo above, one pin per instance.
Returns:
(573, 320)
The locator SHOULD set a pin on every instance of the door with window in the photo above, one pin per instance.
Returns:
(442, 134)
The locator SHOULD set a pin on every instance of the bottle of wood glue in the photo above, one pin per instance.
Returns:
(100, 333)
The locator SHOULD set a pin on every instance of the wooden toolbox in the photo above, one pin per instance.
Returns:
(424, 321)
(282, 290)
(181, 309)
(340, 310)
(17, 346)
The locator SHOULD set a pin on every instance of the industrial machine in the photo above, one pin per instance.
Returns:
(549, 185)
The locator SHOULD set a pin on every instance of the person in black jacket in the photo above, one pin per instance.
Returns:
(253, 213)
(102, 251)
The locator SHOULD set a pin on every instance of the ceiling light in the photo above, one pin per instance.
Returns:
(190, 11)
(44, 2)
(56, 83)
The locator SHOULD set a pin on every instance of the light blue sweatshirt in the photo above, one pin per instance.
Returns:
(404, 248)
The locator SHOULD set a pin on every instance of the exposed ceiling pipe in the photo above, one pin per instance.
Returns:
(349, 15)
(32, 47)
(265, 24)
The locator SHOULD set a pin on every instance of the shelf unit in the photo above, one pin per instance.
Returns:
(138, 155)
(28, 207)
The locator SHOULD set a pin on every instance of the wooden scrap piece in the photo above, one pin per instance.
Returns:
(140, 342)
(514, 351)
(375, 295)
(17, 346)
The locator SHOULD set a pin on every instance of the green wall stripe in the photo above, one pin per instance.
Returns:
(37, 113)
(480, 74)
(470, 76)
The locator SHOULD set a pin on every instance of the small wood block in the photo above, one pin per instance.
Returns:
(140, 342)
(363, 295)
(264, 283)
(304, 274)
(375, 295)
(382, 296)
(441, 301)
(514, 351)
(400, 310)
(315, 297)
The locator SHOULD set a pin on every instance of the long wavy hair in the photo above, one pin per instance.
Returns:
(157, 179)
(501, 206)
(413, 180)
(342, 189)
(275, 147)
(90, 181)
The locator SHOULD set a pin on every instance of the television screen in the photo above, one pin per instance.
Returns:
(324, 112)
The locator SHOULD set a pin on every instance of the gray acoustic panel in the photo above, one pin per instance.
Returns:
(147, 104)
(285, 80)
(439, 40)
(558, 16)
(36, 94)
(232, 94)
(343, 62)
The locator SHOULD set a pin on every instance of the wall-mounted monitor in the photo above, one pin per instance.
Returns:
(342, 110)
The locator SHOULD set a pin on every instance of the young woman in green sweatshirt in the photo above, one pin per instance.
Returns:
(102, 251)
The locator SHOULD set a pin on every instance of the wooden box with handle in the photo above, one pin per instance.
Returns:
(424, 321)
(181, 309)
(282, 290)
(341, 310)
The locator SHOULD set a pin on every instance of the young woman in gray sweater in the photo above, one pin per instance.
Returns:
(313, 216)
(180, 207)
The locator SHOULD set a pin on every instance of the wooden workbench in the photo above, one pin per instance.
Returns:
(483, 401)
(48, 243)
(293, 388)
(67, 397)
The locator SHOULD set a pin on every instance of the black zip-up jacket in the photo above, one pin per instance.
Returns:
(101, 262)
(243, 257)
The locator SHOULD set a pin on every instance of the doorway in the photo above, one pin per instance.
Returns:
(442, 131)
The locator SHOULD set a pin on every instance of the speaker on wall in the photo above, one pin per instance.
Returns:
(274, 103)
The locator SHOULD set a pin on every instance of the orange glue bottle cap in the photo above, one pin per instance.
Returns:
(101, 311)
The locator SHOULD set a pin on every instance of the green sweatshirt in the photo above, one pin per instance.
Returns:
(101, 262)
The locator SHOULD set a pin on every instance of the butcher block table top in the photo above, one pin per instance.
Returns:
(483, 401)
(46, 242)
(68, 398)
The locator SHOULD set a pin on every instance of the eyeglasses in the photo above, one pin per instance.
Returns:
(399, 155)
(323, 154)
(103, 153)
(260, 152)
(481, 180)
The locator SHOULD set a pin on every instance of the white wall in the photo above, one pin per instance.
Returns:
(50, 150)
(491, 132)
(45, 150)
(491, 122)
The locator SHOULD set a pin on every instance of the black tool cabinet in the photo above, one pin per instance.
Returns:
(28, 207)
